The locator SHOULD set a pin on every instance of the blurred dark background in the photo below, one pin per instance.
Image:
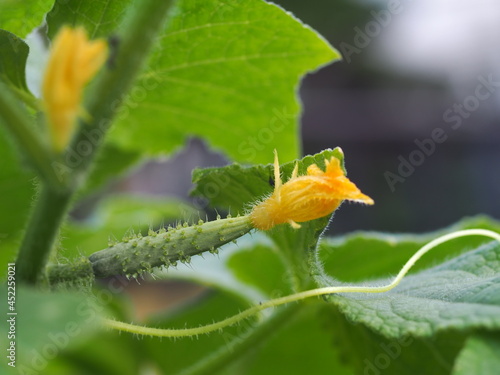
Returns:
(419, 63)
(404, 70)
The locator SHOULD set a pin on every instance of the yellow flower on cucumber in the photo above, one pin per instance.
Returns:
(307, 197)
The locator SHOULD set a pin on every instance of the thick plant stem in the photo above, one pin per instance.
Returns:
(17, 121)
(46, 218)
(136, 43)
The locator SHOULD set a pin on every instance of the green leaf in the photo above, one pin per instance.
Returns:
(107, 352)
(372, 354)
(22, 16)
(480, 355)
(99, 17)
(115, 217)
(46, 324)
(171, 356)
(363, 255)
(360, 255)
(111, 163)
(226, 71)
(305, 344)
(261, 267)
(16, 192)
(13, 55)
(461, 294)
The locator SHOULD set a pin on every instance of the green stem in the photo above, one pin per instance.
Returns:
(240, 346)
(294, 258)
(133, 48)
(26, 97)
(18, 122)
(77, 275)
(46, 218)
(111, 86)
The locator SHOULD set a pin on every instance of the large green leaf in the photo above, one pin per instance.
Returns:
(227, 71)
(99, 17)
(171, 356)
(361, 255)
(16, 192)
(461, 294)
(370, 353)
(421, 325)
(13, 55)
(106, 352)
(260, 266)
(480, 355)
(208, 24)
(22, 16)
(306, 346)
(45, 325)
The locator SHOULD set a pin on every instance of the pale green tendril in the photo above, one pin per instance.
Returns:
(141, 330)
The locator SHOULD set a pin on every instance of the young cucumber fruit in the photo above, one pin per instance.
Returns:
(137, 254)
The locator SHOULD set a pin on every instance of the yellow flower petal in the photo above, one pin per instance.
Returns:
(308, 197)
(73, 61)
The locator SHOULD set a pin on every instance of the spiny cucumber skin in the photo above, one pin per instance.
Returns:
(137, 255)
